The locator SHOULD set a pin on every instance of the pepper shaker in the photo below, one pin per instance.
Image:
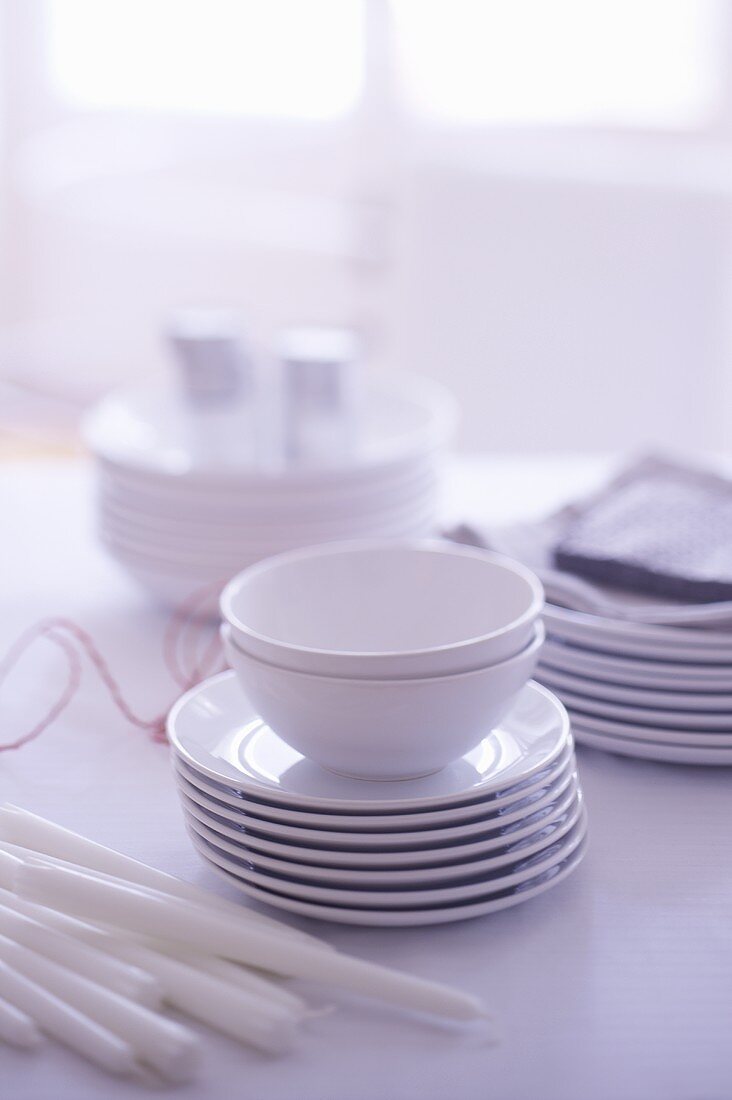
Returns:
(321, 380)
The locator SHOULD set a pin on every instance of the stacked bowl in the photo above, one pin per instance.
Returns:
(182, 516)
(379, 754)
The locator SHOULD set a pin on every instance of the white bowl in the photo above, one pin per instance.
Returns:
(270, 494)
(383, 609)
(383, 729)
(290, 532)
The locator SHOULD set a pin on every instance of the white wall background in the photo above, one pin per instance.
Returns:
(528, 201)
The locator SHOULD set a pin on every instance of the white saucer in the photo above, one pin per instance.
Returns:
(236, 825)
(665, 643)
(697, 701)
(475, 886)
(384, 878)
(214, 728)
(655, 734)
(411, 918)
(646, 716)
(649, 750)
(663, 675)
(496, 841)
(241, 801)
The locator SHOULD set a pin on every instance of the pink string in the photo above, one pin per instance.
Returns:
(70, 637)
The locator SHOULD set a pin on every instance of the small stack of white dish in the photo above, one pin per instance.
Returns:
(498, 826)
(650, 690)
(182, 517)
(416, 775)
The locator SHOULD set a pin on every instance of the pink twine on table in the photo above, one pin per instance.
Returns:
(69, 637)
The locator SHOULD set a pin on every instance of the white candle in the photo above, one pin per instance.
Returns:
(142, 956)
(8, 865)
(163, 1044)
(243, 1016)
(17, 1028)
(22, 828)
(129, 981)
(53, 861)
(162, 917)
(237, 975)
(65, 1023)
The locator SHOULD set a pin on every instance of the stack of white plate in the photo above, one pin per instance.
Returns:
(500, 825)
(180, 518)
(656, 691)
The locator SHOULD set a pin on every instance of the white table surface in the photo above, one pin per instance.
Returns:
(615, 986)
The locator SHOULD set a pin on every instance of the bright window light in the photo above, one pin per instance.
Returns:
(646, 63)
(287, 58)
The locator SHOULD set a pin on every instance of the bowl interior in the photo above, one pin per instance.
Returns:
(384, 599)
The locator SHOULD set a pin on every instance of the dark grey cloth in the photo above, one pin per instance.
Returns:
(663, 529)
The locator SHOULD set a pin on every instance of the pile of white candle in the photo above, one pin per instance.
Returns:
(93, 944)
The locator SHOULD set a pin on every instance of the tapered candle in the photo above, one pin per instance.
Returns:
(248, 1017)
(22, 828)
(8, 865)
(240, 1015)
(162, 917)
(23, 855)
(128, 980)
(237, 975)
(143, 956)
(66, 1023)
(163, 1044)
(17, 1028)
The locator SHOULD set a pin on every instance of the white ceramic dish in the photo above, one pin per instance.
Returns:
(339, 829)
(654, 750)
(191, 530)
(392, 822)
(168, 590)
(494, 843)
(237, 504)
(699, 701)
(228, 552)
(577, 594)
(475, 886)
(662, 734)
(383, 729)
(645, 716)
(215, 729)
(143, 432)
(378, 609)
(236, 826)
(662, 675)
(392, 877)
(492, 903)
(664, 643)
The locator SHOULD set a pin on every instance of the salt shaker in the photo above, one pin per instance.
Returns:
(216, 380)
(321, 389)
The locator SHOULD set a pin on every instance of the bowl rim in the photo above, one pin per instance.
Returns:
(329, 549)
(436, 401)
(528, 651)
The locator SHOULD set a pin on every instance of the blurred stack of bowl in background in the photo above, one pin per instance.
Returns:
(236, 464)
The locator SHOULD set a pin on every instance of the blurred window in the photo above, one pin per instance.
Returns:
(632, 63)
(288, 58)
(646, 63)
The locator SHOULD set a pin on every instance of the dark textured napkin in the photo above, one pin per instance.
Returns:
(662, 528)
